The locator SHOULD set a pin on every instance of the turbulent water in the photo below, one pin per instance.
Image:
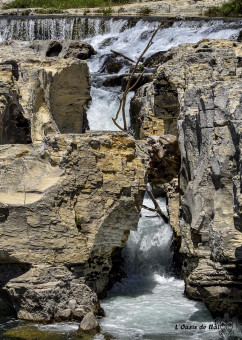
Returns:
(128, 36)
(149, 303)
(130, 39)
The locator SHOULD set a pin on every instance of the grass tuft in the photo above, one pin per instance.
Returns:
(145, 11)
(63, 4)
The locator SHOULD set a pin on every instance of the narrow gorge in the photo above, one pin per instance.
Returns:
(75, 217)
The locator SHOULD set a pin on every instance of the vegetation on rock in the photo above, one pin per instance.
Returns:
(231, 9)
(63, 4)
(145, 11)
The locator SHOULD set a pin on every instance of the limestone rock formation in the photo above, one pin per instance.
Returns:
(67, 200)
(63, 48)
(50, 94)
(210, 140)
(200, 85)
(65, 208)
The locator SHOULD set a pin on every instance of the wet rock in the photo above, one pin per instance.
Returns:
(113, 64)
(145, 78)
(240, 37)
(30, 333)
(113, 80)
(155, 59)
(89, 323)
(63, 48)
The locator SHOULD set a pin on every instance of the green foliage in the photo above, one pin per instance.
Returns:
(230, 9)
(145, 11)
(107, 11)
(63, 4)
(78, 222)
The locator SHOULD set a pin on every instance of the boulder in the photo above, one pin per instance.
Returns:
(113, 64)
(63, 48)
(89, 323)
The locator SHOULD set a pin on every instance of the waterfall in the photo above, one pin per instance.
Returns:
(149, 303)
(128, 36)
(32, 28)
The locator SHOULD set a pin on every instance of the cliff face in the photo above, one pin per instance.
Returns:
(67, 201)
(204, 81)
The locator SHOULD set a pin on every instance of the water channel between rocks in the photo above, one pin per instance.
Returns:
(149, 303)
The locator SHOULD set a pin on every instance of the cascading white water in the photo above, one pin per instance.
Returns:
(128, 36)
(131, 41)
(149, 303)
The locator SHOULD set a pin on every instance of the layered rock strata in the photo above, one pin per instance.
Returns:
(200, 86)
(66, 207)
(67, 201)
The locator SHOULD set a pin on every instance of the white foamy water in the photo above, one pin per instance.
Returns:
(149, 303)
(131, 41)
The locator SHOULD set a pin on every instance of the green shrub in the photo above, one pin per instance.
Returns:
(230, 9)
(145, 11)
(107, 11)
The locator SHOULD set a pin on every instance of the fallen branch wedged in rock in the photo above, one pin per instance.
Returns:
(157, 208)
(122, 55)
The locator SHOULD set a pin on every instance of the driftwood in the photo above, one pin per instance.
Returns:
(122, 55)
(157, 208)
(128, 86)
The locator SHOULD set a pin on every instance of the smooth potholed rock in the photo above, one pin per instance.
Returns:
(50, 94)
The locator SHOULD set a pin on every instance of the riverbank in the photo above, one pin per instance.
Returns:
(168, 8)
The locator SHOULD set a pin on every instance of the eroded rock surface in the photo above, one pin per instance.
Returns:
(50, 94)
(63, 48)
(197, 96)
(67, 200)
(65, 207)
(207, 77)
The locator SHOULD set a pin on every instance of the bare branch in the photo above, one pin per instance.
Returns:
(117, 124)
(148, 208)
(133, 86)
(157, 207)
(128, 86)
(122, 55)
